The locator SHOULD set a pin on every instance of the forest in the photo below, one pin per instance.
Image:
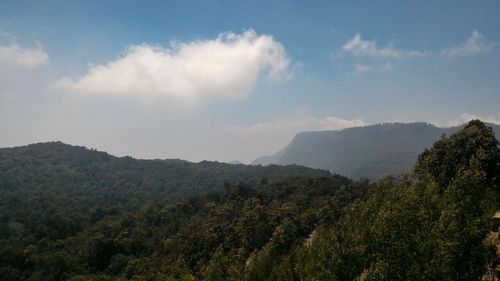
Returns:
(71, 213)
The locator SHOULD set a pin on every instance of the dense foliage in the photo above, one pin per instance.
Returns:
(57, 171)
(67, 213)
(429, 228)
(209, 237)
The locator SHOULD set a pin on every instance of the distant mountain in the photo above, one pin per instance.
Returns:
(55, 166)
(270, 159)
(363, 152)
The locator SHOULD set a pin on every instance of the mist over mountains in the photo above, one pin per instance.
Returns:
(362, 152)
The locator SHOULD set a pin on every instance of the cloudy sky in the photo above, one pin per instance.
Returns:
(225, 80)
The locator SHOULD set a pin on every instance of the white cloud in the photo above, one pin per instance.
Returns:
(372, 67)
(362, 68)
(265, 138)
(14, 55)
(228, 66)
(466, 117)
(476, 44)
(359, 47)
(292, 125)
(5, 34)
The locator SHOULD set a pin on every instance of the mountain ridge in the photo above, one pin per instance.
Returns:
(370, 151)
(45, 166)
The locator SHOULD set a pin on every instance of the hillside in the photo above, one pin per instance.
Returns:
(75, 169)
(362, 152)
(68, 213)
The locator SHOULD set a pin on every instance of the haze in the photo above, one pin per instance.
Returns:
(220, 80)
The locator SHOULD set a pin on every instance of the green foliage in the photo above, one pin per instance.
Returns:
(67, 213)
(73, 214)
(472, 150)
(429, 229)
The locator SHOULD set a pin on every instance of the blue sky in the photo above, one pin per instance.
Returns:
(224, 80)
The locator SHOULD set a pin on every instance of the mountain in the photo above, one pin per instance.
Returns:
(362, 152)
(270, 159)
(74, 169)
(72, 213)
(69, 213)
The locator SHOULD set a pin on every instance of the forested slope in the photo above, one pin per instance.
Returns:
(364, 152)
(62, 168)
(426, 225)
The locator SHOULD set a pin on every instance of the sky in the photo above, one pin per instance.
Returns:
(235, 80)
